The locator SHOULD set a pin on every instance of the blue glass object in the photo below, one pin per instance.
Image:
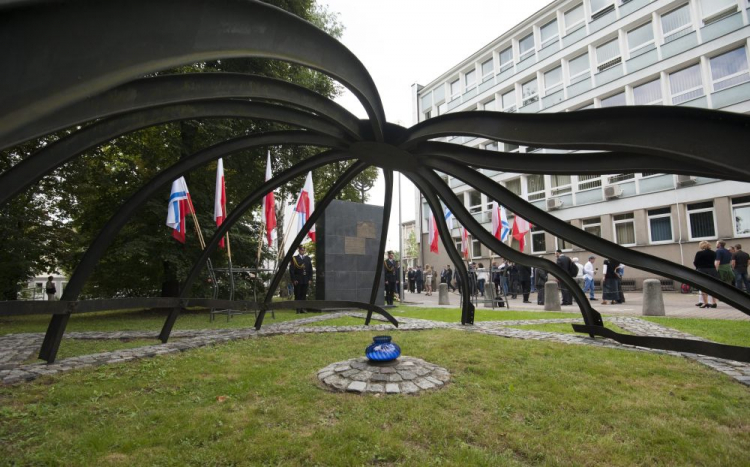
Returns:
(382, 349)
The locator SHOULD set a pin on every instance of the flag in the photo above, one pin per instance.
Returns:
(449, 218)
(269, 207)
(180, 204)
(520, 227)
(465, 243)
(220, 198)
(500, 225)
(306, 206)
(433, 234)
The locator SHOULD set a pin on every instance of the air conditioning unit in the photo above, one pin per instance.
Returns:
(612, 191)
(685, 180)
(554, 203)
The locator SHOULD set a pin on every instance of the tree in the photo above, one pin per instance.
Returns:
(412, 248)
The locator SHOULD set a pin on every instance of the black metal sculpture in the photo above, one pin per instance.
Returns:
(67, 81)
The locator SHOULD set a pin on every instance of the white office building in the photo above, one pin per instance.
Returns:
(580, 54)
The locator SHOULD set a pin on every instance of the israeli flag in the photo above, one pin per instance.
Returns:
(448, 218)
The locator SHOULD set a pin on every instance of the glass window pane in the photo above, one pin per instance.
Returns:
(455, 88)
(708, 7)
(526, 44)
(549, 31)
(438, 93)
(538, 242)
(553, 77)
(594, 230)
(579, 64)
(514, 186)
(529, 92)
(573, 17)
(489, 105)
(616, 100)
(509, 99)
(535, 183)
(639, 36)
(471, 78)
(702, 224)
(607, 52)
(476, 249)
(506, 56)
(597, 5)
(675, 19)
(741, 220)
(647, 93)
(686, 80)
(732, 64)
(625, 233)
(661, 229)
(487, 67)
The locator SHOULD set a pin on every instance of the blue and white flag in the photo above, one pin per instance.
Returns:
(448, 218)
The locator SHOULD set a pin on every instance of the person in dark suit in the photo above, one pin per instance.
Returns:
(419, 279)
(540, 277)
(411, 276)
(568, 266)
(301, 274)
(390, 271)
(524, 278)
(449, 277)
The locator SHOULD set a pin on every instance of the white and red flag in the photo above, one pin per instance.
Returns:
(465, 243)
(269, 207)
(180, 204)
(220, 198)
(433, 234)
(520, 227)
(500, 225)
(306, 206)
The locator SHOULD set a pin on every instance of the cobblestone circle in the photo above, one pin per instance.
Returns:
(405, 375)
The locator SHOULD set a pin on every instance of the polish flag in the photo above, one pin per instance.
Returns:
(465, 243)
(269, 207)
(306, 206)
(520, 227)
(180, 204)
(500, 225)
(433, 234)
(220, 198)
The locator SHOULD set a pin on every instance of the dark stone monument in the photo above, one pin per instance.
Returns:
(347, 252)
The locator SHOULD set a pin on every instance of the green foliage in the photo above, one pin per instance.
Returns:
(412, 247)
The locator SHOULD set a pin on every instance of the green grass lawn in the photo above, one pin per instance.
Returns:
(257, 402)
(732, 332)
(453, 315)
(77, 347)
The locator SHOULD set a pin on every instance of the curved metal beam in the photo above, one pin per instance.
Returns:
(44, 161)
(388, 175)
(187, 32)
(590, 163)
(341, 182)
(536, 216)
(182, 89)
(682, 134)
(467, 308)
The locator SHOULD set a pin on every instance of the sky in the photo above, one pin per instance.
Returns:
(402, 42)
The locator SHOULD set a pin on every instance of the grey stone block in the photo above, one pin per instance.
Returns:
(653, 301)
(443, 295)
(551, 297)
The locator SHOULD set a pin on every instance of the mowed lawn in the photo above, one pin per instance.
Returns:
(258, 402)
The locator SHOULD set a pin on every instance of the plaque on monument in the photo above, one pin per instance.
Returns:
(354, 246)
(366, 230)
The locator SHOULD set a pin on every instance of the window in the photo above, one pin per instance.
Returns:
(488, 70)
(676, 23)
(526, 47)
(729, 69)
(608, 55)
(455, 89)
(553, 80)
(686, 84)
(489, 105)
(600, 8)
(588, 182)
(741, 216)
(457, 242)
(593, 226)
(641, 40)
(560, 184)
(538, 240)
(620, 178)
(426, 102)
(648, 94)
(563, 245)
(579, 68)
(442, 108)
(427, 115)
(509, 147)
(491, 146)
(476, 248)
(712, 8)
(660, 225)
(529, 92)
(470, 78)
(613, 101)
(475, 201)
(506, 59)
(549, 33)
(573, 19)
(509, 101)
(701, 222)
(438, 94)
(514, 186)
(535, 187)
(624, 229)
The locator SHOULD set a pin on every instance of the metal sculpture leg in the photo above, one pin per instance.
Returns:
(388, 174)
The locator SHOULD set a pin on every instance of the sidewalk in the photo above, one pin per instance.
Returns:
(676, 305)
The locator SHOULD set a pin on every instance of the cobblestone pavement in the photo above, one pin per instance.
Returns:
(15, 349)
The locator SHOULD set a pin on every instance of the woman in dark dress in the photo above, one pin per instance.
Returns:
(611, 286)
(704, 262)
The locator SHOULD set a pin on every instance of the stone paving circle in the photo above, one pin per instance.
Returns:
(405, 375)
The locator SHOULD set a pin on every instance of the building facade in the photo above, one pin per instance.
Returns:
(581, 54)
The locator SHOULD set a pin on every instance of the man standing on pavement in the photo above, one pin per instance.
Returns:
(419, 279)
(301, 273)
(449, 277)
(723, 262)
(588, 277)
(739, 264)
(524, 276)
(391, 277)
(568, 266)
(411, 275)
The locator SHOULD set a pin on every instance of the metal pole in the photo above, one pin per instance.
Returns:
(400, 244)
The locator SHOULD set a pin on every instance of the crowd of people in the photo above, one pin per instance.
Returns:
(725, 264)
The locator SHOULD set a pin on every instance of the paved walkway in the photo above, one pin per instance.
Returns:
(676, 305)
(17, 348)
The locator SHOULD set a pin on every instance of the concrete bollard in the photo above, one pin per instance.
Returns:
(653, 301)
(489, 295)
(551, 297)
(443, 294)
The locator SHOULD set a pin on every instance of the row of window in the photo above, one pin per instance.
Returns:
(641, 39)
